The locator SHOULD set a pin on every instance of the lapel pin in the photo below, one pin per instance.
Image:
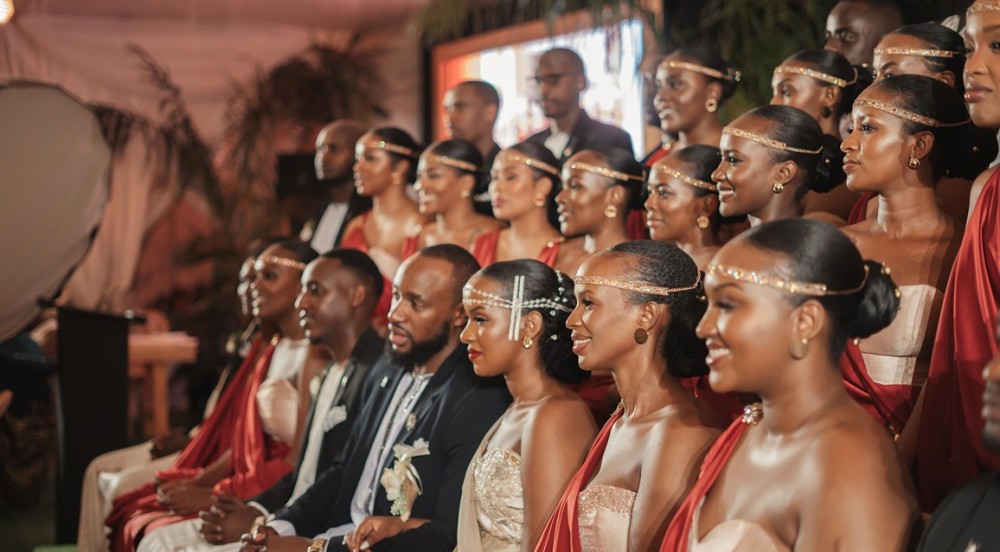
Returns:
(384, 382)
(411, 422)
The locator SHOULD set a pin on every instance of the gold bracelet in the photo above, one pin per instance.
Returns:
(318, 545)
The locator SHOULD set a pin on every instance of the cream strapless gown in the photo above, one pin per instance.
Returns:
(735, 535)
(499, 500)
(605, 514)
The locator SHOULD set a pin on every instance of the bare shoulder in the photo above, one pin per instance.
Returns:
(557, 414)
(485, 224)
(683, 431)
(984, 176)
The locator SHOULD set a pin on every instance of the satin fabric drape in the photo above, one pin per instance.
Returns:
(562, 532)
(950, 449)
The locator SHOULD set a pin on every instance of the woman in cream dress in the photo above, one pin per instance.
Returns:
(526, 459)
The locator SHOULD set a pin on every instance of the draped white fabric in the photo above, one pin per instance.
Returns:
(89, 57)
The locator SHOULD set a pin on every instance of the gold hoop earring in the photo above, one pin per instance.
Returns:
(640, 336)
(777, 187)
(611, 212)
(702, 222)
(913, 163)
(539, 201)
(799, 349)
(527, 342)
(711, 105)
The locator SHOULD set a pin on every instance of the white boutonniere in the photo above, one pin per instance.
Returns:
(402, 482)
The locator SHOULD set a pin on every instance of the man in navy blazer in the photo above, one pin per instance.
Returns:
(427, 400)
(559, 79)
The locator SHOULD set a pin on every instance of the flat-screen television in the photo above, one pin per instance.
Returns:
(507, 58)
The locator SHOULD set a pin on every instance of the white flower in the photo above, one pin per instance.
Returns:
(402, 482)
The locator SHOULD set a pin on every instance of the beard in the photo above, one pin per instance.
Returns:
(421, 351)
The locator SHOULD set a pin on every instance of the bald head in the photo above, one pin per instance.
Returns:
(335, 149)
(854, 27)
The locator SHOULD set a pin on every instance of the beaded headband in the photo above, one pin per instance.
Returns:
(396, 148)
(604, 171)
(531, 162)
(985, 6)
(638, 287)
(915, 52)
(710, 186)
(769, 142)
(708, 71)
(908, 115)
(818, 75)
(779, 283)
(517, 304)
(283, 261)
(457, 163)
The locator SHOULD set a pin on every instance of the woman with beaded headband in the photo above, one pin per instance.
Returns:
(385, 164)
(949, 447)
(771, 157)
(599, 190)
(824, 85)
(805, 468)
(637, 306)
(517, 329)
(242, 448)
(525, 178)
(934, 51)
(446, 177)
(692, 82)
(907, 130)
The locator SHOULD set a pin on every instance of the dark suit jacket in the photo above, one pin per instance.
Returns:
(452, 414)
(357, 205)
(588, 134)
(359, 365)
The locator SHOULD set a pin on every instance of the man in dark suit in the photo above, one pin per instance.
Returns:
(429, 402)
(335, 170)
(470, 113)
(559, 80)
(339, 293)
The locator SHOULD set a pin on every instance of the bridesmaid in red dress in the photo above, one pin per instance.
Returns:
(385, 166)
(446, 178)
(525, 178)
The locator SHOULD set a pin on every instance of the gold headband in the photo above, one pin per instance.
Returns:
(637, 287)
(779, 283)
(771, 143)
(904, 114)
(708, 71)
(396, 148)
(531, 162)
(916, 52)
(604, 171)
(710, 186)
(457, 163)
(985, 6)
(836, 81)
(283, 261)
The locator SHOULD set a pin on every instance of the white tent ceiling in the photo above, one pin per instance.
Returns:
(328, 14)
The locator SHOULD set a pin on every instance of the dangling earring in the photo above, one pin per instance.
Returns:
(913, 163)
(610, 212)
(702, 221)
(465, 194)
(527, 342)
(799, 349)
(826, 112)
(711, 105)
(777, 187)
(539, 201)
(640, 336)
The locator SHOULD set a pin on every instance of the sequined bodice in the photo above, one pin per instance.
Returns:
(605, 514)
(499, 497)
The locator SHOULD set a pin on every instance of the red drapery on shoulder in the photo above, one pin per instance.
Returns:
(257, 460)
(355, 239)
(409, 247)
(484, 249)
(562, 532)
(679, 530)
(950, 450)
(860, 210)
(890, 405)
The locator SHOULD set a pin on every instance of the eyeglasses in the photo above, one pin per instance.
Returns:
(551, 79)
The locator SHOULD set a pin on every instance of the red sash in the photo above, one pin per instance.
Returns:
(950, 450)
(679, 530)
(890, 405)
(860, 210)
(257, 460)
(562, 532)
(409, 247)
